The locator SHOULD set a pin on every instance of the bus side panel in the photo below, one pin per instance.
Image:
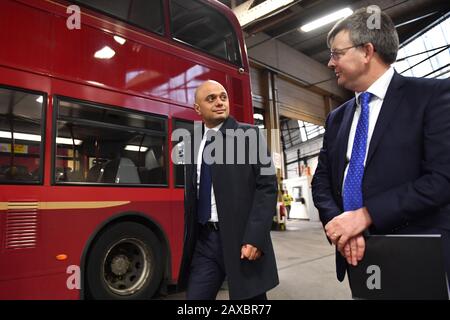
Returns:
(25, 34)
(152, 68)
(63, 229)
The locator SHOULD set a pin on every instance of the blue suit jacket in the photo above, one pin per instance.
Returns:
(407, 173)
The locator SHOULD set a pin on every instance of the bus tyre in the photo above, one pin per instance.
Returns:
(125, 262)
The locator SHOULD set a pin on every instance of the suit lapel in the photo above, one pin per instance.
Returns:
(391, 101)
(342, 139)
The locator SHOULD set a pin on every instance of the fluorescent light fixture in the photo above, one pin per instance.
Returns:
(135, 148)
(40, 99)
(326, 19)
(35, 137)
(20, 136)
(258, 116)
(120, 40)
(246, 15)
(68, 141)
(105, 53)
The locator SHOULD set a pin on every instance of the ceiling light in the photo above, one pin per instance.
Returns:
(40, 99)
(68, 141)
(136, 148)
(326, 19)
(258, 116)
(20, 136)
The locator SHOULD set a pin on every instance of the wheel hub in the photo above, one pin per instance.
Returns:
(127, 266)
(120, 265)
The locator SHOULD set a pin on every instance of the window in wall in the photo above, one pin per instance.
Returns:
(97, 144)
(146, 14)
(298, 194)
(203, 27)
(428, 55)
(21, 137)
(309, 131)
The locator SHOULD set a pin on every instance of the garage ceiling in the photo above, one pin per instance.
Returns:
(410, 17)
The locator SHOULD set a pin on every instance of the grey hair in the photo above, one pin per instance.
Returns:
(384, 39)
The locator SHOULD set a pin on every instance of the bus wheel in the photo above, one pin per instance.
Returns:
(125, 262)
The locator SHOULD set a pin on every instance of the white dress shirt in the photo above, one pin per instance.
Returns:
(378, 89)
(214, 216)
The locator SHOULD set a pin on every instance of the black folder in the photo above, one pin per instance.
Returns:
(400, 267)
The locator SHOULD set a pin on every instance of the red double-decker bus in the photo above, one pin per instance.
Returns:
(91, 206)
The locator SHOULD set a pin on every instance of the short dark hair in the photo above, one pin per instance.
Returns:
(384, 39)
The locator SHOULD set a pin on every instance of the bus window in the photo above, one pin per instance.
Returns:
(20, 136)
(204, 28)
(142, 13)
(97, 144)
(179, 148)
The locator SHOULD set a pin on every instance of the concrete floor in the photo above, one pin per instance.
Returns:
(305, 266)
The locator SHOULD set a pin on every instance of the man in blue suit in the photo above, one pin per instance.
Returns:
(385, 162)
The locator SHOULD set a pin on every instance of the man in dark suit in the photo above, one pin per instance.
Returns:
(229, 206)
(385, 163)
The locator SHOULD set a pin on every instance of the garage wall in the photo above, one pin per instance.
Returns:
(301, 104)
(294, 100)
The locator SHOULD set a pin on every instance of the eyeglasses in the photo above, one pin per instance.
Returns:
(338, 53)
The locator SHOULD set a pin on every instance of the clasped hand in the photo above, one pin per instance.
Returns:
(345, 231)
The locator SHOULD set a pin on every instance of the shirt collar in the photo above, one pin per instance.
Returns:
(215, 129)
(380, 86)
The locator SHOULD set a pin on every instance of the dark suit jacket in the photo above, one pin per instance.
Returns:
(407, 173)
(246, 203)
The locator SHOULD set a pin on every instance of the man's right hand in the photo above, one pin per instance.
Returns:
(354, 249)
(250, 252)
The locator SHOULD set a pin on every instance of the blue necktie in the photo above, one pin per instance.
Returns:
(352, 195)
(204, 194)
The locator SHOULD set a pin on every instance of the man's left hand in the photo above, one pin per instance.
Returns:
(347, 225)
